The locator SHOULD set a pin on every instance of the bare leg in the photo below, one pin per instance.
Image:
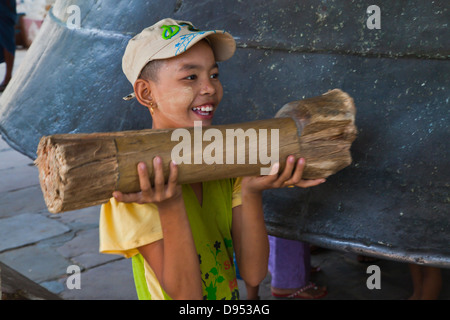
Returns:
(9, 60)
(432, 283)
(252, 292)
(427, 282)
(416, 275)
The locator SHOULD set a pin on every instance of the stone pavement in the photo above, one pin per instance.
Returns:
(42, 246)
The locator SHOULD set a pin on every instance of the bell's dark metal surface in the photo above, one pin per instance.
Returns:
(392, 202)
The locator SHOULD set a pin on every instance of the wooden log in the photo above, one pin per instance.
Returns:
(15, 286)
(81, 170)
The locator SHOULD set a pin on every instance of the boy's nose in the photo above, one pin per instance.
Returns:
(207, 88)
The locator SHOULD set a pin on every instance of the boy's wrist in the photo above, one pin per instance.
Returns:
(171, 204)
(248, 188)
(249, 193)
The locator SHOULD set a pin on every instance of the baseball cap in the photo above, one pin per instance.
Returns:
(169, 38)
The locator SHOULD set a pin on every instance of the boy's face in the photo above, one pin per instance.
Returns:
(187, 89)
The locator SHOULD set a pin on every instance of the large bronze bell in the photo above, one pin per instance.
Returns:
(393, 202)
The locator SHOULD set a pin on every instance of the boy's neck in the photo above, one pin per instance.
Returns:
(198, 190)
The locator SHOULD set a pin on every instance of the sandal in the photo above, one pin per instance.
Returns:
(298, 294)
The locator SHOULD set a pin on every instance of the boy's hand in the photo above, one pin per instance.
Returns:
(160, 193)
(291, 176)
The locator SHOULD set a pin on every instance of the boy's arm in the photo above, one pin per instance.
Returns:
(173, 259)
(250, 239)
(249, 232)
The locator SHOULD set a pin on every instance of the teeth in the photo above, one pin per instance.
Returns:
(203, 108)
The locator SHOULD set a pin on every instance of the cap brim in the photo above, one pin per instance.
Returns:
(223, 45)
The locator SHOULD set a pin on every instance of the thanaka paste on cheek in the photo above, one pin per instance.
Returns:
(173, 103)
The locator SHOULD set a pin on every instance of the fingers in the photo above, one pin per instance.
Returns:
(127, 197)
(298, 173)
(276, 180)
(287, 172)
(144, 181)
(160, 190)
(173, 179)
(274, 169)
(159, 177)
(292, 177)
(309, 183)
(289, 176)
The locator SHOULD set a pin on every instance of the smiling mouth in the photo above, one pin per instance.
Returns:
(205, 110)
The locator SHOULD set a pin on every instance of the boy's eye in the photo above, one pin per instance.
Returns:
(191, 77)
(215, 76)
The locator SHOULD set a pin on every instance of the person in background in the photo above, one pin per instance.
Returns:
(8, 16)
(290, 268)
(427, 282)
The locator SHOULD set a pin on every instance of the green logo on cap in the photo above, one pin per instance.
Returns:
(169, 31)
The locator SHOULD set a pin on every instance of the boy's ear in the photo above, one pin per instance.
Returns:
(143, 92)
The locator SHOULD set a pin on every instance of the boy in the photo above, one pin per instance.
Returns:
(182, 238)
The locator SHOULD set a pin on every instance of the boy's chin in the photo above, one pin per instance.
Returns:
(205, 122)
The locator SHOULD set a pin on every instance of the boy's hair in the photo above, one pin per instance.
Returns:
(150, 71)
